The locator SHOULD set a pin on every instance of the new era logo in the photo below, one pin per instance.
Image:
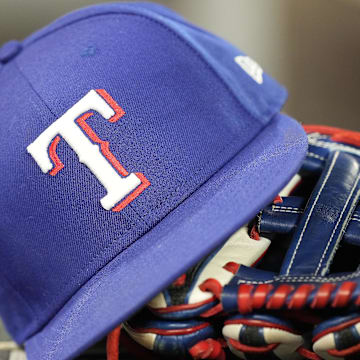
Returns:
(122, 187)
(251, 67)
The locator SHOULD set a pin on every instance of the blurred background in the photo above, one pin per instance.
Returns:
(311, 47)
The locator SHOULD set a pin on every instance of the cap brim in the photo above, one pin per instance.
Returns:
(229, 199)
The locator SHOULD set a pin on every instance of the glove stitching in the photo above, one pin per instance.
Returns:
(345, 223)
(311, 154)
(288, 211)
(334, 146)
(311, 211)
(317, 135)
(259, 221)
(289, 279)
(286, 207)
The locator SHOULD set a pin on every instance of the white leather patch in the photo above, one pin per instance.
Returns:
(158, 301)
(145, 339)
(324, 344)
(239, 248)
(8, 345)
(251, 67)
(232, 331)
(17, 355)
(89, 154)
(288, 343)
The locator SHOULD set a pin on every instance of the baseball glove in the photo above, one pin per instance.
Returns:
(181, 321)
(302, 299)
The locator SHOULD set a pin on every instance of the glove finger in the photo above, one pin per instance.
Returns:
(191, 338)
(187, 297)
(338, 338)
(260, 337)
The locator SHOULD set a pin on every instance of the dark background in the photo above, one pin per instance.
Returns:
(312, 47)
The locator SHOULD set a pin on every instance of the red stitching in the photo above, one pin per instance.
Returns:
(260, 323)
(250, 297)
(119, 111)
(182, 307)
(207, 349)
(322, 296)
(343, 294)
(232, 267)
(252, 349)
(213, 311)
(54, 156)
(171, 332)
(300, 296)
(254, 234)
(346, 352)
(145, 183)
(244, 302)
(308, 354)
(260, 295)
(278, 298)
(213, 286)
(180, 281)
(278, 200)
(112, 344)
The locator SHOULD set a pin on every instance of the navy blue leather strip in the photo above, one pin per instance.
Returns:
(283, 218)
(326, 216)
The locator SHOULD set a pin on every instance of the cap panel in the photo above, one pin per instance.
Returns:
(260, 94)
(255, 90)
(262, 100)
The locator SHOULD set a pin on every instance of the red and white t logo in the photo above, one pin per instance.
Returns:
(121, 187)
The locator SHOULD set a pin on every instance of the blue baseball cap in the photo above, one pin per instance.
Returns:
(132, 143)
